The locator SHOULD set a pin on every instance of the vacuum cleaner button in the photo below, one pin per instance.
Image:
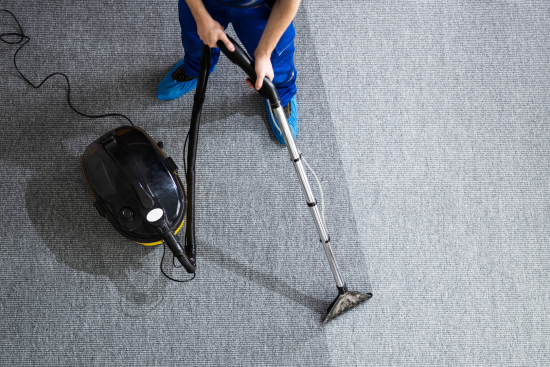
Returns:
(126, 214)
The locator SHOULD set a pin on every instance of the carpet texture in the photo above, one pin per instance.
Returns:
(426, 122)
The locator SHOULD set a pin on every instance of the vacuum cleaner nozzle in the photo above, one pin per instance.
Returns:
(345, 301)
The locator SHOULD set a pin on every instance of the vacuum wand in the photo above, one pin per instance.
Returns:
(345, 299)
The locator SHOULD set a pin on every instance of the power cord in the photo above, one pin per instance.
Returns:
(169, 277)
(21, 37)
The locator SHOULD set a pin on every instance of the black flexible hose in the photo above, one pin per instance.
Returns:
(204, 71)
(240, 58)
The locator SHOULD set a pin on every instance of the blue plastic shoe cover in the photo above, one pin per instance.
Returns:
(292, 120)
(169, 88)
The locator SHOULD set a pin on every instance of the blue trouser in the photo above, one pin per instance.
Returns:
(249, 25)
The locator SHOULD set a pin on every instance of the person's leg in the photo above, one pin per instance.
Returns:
(190, 40)
(182, 78)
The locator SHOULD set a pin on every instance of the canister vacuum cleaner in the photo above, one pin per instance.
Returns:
(138, 189)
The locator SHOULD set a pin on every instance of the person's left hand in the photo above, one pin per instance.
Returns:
(263, 69)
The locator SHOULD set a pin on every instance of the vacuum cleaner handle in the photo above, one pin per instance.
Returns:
(240, 58)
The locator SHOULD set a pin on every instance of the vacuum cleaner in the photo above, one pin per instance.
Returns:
(137, 188)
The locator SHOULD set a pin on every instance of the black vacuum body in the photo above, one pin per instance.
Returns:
(137, 188)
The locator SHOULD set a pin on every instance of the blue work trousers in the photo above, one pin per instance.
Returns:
(249, 25)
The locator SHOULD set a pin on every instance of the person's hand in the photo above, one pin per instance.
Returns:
(210, 32)
(263, 69)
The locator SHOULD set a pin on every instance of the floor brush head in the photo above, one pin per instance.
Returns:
(344, 302)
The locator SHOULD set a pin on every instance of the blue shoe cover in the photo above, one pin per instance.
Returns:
(292, 121)
(169, 89)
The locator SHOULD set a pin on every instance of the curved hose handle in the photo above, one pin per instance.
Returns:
(240, 58)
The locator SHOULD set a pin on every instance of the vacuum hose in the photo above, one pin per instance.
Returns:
(204, 71)
(268, 90)
(240, 58)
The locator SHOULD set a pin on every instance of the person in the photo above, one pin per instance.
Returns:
(265, 29)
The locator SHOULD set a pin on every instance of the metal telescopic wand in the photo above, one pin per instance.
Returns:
(345, 299)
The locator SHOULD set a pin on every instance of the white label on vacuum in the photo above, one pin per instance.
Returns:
(155, 215)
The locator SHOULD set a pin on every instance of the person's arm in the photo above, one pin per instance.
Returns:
(208, 29)
(281, 16)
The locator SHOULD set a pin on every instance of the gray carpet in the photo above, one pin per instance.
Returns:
(426, 122)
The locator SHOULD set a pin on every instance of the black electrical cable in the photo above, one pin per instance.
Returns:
(169, 277)
(22, 37)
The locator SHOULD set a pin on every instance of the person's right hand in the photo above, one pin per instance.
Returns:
(210, 32)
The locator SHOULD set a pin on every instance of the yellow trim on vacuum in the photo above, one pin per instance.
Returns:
(159, 242)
